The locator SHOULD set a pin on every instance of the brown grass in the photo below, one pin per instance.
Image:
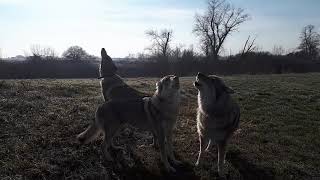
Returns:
(278, 136)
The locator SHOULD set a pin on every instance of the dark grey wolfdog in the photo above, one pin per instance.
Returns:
(157, 114)
(113, 87)
(218, 115)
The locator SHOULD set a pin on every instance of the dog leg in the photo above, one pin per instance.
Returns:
(163, 153)
(170, 148)
(107, 142)
(155, 141)
(209, 146)
(203, 141)
(105, 145)
(221, 156)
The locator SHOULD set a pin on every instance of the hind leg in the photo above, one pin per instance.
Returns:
(203, 142)
(107, 142)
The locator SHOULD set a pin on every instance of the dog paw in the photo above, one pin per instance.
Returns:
(107, 157)
(221, 173)
(155, 146)
(197, 163)
(177, 162)
(117, 148)
(170, 169)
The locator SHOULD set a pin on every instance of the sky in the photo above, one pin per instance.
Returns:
(120, 25)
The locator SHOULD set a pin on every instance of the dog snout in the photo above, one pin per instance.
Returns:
(200, 74)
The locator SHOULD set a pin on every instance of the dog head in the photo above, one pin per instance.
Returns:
(211, 86)
(168, 87)
(107, 67)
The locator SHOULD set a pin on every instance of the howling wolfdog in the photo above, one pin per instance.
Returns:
(218, 115)
(113, 87)
(157, 114)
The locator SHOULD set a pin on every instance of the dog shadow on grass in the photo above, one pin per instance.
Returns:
(133, 168)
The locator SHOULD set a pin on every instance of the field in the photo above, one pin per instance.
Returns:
(278, 136)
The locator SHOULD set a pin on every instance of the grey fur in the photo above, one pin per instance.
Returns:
(112, 85)
(157, 114)
(218, 115)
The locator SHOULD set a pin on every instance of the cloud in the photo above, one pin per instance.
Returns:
(11, 1)
(149, 14)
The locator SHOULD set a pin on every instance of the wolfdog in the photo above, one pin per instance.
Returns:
(218, 115)
(113, 87)
(157, 114)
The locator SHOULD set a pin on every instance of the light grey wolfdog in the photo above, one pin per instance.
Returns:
(157, 114)
(113, 87)
(217, 117)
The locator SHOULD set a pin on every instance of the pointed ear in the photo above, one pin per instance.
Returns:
(107, 67)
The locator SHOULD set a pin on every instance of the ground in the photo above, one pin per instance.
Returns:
(278, 136)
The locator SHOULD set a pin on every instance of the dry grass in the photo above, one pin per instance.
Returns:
(278, 136)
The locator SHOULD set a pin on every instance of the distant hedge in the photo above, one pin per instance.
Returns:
(254, 63)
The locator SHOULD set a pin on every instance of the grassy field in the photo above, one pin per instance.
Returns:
(278, 137)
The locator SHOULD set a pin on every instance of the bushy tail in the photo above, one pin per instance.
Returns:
(91, 133)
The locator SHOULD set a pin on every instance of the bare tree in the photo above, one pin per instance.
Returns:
(249, 46)
(39, 52)
(218, 22)
(310, 42)
(75, 53)
(160, 41)
(278, 50)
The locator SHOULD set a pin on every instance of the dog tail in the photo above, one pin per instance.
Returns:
(91, 133)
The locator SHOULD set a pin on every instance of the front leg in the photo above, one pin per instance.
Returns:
(169, 136)
(203, 142)
(163, 152)
(221, 156)
(155, 141)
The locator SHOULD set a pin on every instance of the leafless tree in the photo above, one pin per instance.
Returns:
(249, 46)
(278, 50)
(0, 54)
(160, 41)
(75, 53)
(218, 22)
(310, 41)
(40, 52)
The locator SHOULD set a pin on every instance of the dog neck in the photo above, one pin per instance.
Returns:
(214, 106)
(205, 103)
(170, 104)
(111, 76)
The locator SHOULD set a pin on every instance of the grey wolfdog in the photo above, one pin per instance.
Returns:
(113, 87)
(157, 114)
(218, 115)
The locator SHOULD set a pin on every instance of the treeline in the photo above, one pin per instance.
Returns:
(186, 63)
(252, 63)
(53, 68)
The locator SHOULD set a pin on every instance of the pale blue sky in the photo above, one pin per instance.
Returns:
(120, 25)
